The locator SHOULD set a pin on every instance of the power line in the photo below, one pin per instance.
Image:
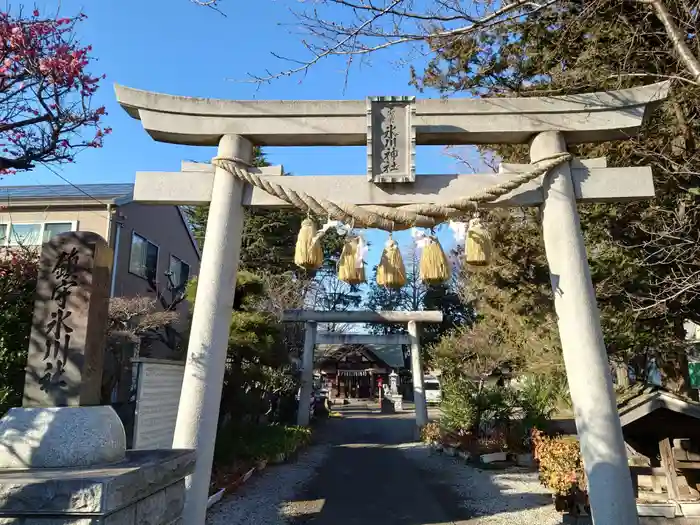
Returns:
(81, 190)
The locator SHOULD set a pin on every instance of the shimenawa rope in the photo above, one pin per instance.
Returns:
(386, 217)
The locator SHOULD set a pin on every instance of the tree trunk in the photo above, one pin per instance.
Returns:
(677, 38)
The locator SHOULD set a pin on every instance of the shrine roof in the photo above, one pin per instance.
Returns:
(650, 399)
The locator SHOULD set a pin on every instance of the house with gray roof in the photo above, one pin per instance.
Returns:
(152, 244)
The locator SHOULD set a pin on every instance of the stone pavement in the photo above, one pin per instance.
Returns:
(367, 479)
(365, 469)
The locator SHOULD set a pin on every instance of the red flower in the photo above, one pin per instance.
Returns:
(46, 52)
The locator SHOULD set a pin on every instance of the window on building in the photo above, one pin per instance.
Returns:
(144, 257)
(3, 234)
(54, 228)
(25, 234)
(179, 272)
(32, 234)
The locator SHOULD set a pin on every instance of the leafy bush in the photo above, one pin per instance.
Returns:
(18, 275)
(459, 411)
(539, 397)
(495, 407)
(560, 463)
(431, 433)
(256, 442)
(467, 408)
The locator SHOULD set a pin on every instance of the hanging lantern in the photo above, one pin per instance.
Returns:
(351, 267)
(391, 271)
(478, 246)
(434, 266)
(308, 253)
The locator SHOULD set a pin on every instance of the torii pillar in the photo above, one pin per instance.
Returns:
(588, 374)
(200, 398)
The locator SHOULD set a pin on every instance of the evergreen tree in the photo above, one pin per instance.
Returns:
(416, 295)
(257, 360)
(269, 235)
(643, 255)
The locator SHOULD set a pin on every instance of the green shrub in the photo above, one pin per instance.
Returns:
(18, 275)
(459, 411)
(539, 397)
(467, 408)
(495, 405)
(256, 442)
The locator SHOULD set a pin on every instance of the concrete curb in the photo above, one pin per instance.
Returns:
(217, 496)
(519, 460)
(261, 465)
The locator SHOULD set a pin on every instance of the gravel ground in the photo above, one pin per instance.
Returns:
(491, 497)
(263, 499)
(365, 471)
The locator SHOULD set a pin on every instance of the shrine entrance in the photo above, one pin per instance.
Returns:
(355, 376)
(350, 371)
(390, 196)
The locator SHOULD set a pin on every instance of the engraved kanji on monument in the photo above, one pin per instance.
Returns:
(68, 336)
(391, 139)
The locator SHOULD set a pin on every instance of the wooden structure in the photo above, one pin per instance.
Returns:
(391, 128)
(351, 370)
(663, 434)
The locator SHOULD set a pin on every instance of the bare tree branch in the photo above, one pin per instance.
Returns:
(676, 37)
(211, 4)
(359, 28)
(374, 28)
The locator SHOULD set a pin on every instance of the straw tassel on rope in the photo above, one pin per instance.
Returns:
(391, 271)
(349, 270)
(434, 266)
(478, 246)
(308, 253)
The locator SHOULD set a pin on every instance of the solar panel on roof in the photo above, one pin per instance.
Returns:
(65, 190)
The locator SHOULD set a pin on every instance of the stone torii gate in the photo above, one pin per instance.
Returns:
(391, 127)
(312, 338)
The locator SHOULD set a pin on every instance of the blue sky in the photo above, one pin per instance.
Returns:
(174, 46)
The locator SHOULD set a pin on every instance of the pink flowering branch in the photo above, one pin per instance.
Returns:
(46, 114)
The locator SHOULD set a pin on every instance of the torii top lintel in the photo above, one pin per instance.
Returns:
(587, 117)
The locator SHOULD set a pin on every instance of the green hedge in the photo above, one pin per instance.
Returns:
(256, 442)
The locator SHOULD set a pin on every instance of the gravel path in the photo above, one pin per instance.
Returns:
(262, 499)
(489, 497)
(365, 471)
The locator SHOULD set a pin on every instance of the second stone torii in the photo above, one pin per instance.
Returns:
(547, 123)
(311, 339)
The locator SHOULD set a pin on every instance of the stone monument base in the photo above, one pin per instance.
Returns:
(146, 487)
(387, 406)
(391, 405)
(61, 437)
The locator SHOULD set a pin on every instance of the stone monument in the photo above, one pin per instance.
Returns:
(62, 462)
(394, 383)
(68, 337)
(396, 398)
